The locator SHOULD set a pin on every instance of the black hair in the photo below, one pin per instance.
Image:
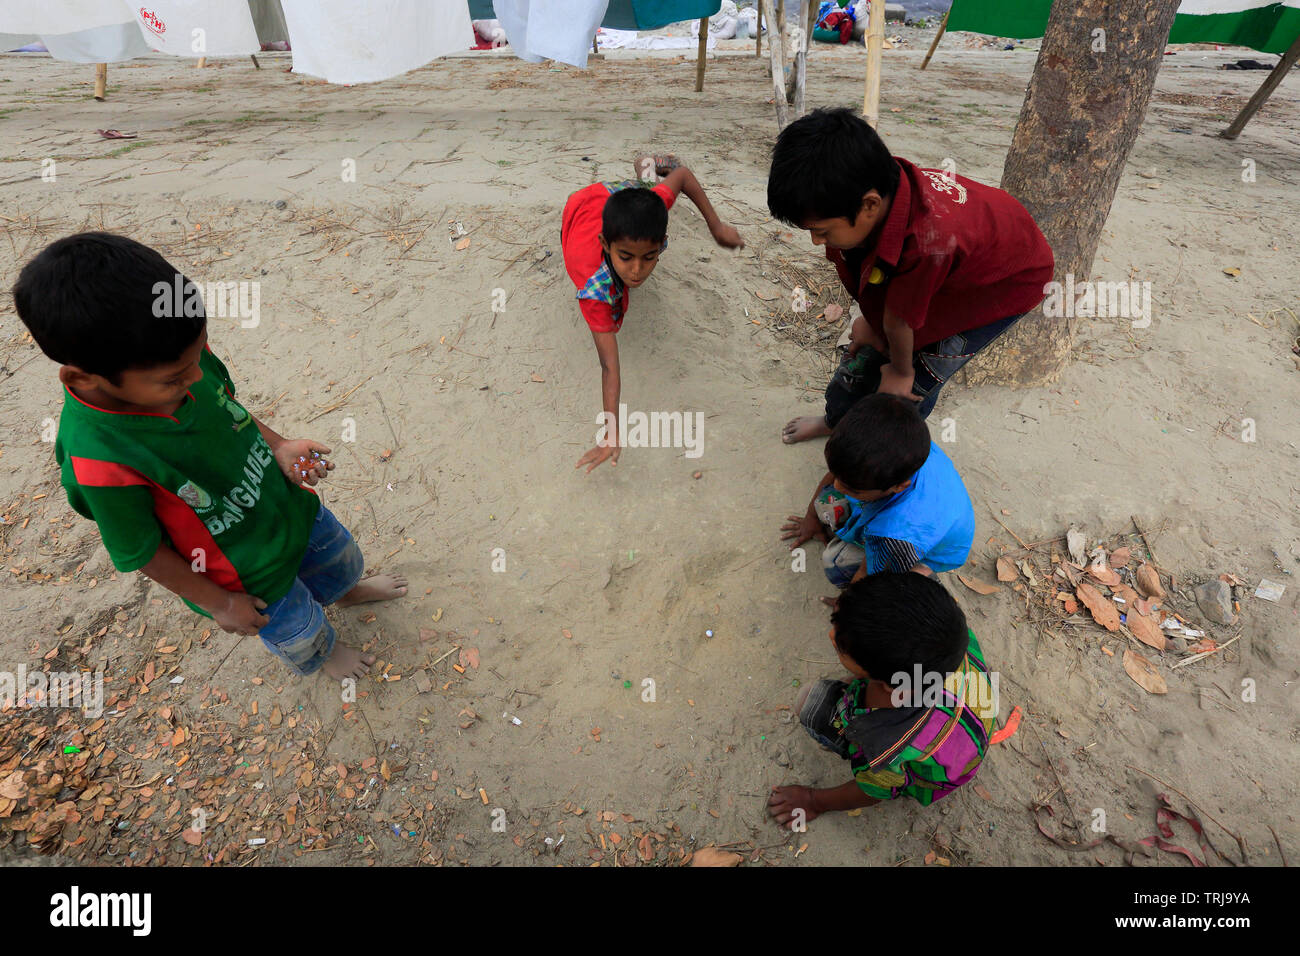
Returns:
(880, 442)
(822, 166)
(634, 213)
(95, 300)
(893, 621)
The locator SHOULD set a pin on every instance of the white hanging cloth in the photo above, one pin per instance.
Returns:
(551, 29)
(364, 41)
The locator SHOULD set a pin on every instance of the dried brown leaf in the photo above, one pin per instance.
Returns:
(1148, 582)
(712, 856)
(1146, 630)
(1102, 609)
(1144, 673)
(978, 586)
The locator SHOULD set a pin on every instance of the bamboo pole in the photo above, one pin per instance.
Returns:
(101, 81)
(801, 58)
(703, 51)
(934, 45)
(1265, 90)
(875, 44)
(775, 48)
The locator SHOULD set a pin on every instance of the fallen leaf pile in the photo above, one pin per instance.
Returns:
(1112, 588)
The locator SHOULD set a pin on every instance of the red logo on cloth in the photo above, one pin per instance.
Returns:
(152, 22)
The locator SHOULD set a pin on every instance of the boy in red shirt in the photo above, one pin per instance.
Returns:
(612, 235)
(939, 264)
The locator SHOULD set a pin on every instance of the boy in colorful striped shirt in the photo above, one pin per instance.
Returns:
(186, 485)
(916, 716)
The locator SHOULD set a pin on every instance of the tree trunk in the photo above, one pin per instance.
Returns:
(799, 74)
(808, 16)
(776, 50)
(1082, 113)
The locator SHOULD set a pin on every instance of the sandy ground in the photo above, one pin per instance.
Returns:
(469, 421)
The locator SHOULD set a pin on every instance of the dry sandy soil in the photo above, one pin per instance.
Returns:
(469, 421)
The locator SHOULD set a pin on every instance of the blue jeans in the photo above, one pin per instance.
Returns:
(859, 375)
(298, 632)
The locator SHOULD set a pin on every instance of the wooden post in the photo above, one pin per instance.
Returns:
(800, 44)
(935, 44)
(203, 61)
(101, 80)
(758, 31)
(595, 48)
(800, 71)
(704, 49)
(875, 44)
(1265, 90)
(775, 49)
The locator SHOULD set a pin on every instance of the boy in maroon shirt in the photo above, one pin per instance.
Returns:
(939, 264)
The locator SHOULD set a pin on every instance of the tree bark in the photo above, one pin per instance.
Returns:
(808, 16)
(1081, 116)
(776, 50)
(799, 75)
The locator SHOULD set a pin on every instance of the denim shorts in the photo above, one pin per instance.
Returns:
(841, 560)
(298, 632)
(859, 375)
(825, 702)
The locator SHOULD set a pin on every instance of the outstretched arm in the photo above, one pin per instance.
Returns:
(682, 180)
(610, 384)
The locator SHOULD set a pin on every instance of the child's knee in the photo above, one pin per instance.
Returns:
(841, 561)
(299, 633)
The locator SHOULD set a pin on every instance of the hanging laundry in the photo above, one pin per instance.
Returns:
(198, 27)
(365, 41)
(551, 29)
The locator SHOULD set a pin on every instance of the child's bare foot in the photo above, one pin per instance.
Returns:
(804, 428)
(378, 587)
(347, 662)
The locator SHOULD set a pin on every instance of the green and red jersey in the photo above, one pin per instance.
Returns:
(202, 480)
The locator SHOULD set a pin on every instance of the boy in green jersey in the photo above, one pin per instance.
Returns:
(186, 485)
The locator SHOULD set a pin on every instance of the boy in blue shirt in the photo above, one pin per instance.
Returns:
(891, 501)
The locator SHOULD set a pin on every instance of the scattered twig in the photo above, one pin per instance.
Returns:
(1241, 844)
(1204, 654)
(1019, 540)
(1278, 842)
(1151, 552)
(341, 402)
(223, 660)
